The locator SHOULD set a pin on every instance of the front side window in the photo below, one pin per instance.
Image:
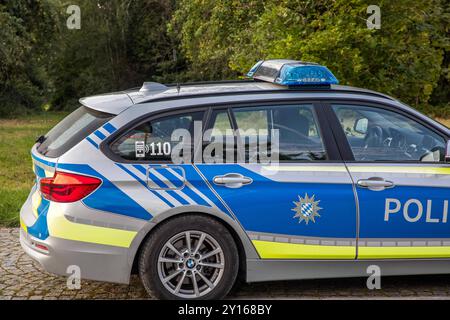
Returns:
(152, 140)
(376, 134)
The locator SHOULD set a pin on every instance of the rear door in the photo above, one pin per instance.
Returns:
(144, 156)
(301, 206)
(402, 182)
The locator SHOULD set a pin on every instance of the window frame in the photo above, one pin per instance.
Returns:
(198, 153)
(341, 138)
(209, 121)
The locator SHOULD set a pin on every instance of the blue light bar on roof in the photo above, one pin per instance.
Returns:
(254, 68)
(292, 73)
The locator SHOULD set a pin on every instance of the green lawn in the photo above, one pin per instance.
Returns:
(445, 122)
(16, 176)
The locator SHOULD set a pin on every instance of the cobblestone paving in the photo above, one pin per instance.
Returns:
(22, 278)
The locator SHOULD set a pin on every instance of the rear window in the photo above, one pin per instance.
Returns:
(71, 130)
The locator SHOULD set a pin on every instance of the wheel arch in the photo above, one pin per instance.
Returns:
(246, 250)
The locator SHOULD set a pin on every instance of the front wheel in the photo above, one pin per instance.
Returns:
(189, 257)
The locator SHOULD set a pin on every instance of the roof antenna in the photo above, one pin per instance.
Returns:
(174, 53)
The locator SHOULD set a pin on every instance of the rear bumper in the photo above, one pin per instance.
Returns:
(96, 262)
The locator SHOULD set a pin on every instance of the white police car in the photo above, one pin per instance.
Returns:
(287, 176)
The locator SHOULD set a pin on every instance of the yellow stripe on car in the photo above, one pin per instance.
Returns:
(23, 225)
(362, 169)
(49, 174)
(36, 200)
(306, 168)
(281, 250)
(60, 227)
(403, 252)
(402, 169)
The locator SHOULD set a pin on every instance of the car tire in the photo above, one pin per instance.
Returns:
(166, 255)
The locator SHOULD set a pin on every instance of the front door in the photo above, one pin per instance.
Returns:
(402, 183)
(301, 207)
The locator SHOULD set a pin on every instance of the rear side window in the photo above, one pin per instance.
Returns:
(152, 140)
(297, 126)
(71, 130)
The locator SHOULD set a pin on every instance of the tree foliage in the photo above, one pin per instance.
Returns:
(122, 43)
(26, 33)
(405, 58)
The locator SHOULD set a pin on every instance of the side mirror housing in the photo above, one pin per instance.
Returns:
(447, 152)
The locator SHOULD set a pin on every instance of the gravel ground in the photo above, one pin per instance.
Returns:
(22, 278)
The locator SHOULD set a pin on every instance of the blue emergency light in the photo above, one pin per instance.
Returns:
(292, 73)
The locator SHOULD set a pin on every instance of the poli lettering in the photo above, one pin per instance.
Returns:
(413, 210)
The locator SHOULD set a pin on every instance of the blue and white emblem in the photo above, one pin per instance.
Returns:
(306, 209)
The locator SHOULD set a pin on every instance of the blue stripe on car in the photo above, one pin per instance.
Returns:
(101, 198)
(121, 166)
(99, 134)
(40, 229)
(186, 190)
(197, 181)
(92, 142)
(47, 163)
(162, 185)
(39, 171)
(109, 127)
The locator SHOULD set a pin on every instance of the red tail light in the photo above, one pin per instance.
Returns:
(68, 187)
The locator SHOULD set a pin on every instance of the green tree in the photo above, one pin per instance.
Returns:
(404, 58)
(26, 34)
(121, 44)
(212, 33)
(441, 94)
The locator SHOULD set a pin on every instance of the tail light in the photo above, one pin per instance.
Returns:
(68, 187)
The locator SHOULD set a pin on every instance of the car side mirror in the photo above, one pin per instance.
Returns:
(447, 152)
(361, 125)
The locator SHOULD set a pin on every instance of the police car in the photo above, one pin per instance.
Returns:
(350, 178)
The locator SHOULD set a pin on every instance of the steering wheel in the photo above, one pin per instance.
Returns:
(374, 137)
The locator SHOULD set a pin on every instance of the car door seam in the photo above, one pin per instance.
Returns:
(355, 194)
(225, 205)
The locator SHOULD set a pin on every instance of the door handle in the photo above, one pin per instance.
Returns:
(375, 184)
(232, 180)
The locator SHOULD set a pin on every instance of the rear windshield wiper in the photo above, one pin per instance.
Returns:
(40, 139)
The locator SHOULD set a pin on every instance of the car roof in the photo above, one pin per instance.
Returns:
(116, 102)
(184, 90)
(155, 97)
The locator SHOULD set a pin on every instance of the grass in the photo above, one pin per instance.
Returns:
(16, 176)
(17, 136)
(445, 122)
